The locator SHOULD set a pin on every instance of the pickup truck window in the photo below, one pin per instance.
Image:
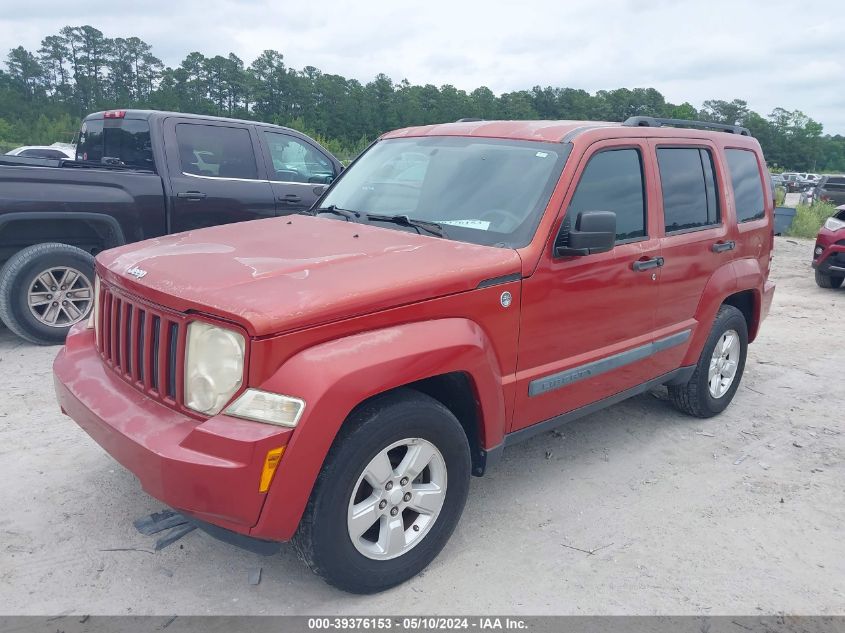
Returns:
(747, 186)
(121, 141)
(297, 161)
(688, 186)
(613, 181)
(42, 153)
(216, 151)
(482, 190)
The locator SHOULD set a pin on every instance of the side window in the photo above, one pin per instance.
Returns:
(42, 153)
(613, 181)
(297, 161)
(689, 188)
(748, 189)
(834, 183)
(213, 150)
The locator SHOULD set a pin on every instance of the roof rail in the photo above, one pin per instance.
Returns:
(650, 121)
(469, 119)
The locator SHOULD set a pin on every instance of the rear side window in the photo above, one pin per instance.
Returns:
(613, 181)
(747, 186)
(834, 182)
(216, 151)
(689, 188)
(116, 142)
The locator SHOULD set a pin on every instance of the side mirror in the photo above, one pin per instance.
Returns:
(594, 232)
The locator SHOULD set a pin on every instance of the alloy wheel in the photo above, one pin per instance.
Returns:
(723, 364)
(60, 297)
(397, 499)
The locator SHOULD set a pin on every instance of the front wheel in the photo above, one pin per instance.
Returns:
(719, 369)
(390, 493)
(828, 281)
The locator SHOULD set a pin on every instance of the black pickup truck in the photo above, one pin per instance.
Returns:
(137, 174)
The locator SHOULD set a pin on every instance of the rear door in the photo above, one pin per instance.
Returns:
(754, 210)
(299, 171)
(696, 236)
(215, 175)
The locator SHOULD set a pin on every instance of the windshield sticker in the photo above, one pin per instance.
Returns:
(541, 154)
(480, 225)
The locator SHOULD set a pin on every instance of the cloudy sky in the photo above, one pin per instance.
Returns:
(773, 53)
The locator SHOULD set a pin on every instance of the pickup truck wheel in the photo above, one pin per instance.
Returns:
(390, 493)
(44, 290)
(828, 281)
(719, 369)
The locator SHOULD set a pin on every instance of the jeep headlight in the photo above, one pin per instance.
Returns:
(214, 366)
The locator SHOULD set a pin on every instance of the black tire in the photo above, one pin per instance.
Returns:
(323, 539)
(18, 276)
(828, 281)
(694, 397)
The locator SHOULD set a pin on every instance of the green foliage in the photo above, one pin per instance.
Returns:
(44, 93)
(780, 196)
(809, 219)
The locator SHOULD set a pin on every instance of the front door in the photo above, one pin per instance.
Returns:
(587, 322)
(215, 177)
(299, 171)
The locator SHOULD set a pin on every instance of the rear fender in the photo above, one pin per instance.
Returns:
(721, 284)
(334, 377)
(749, 276)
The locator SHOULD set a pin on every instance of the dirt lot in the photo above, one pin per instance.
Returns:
(744, 513)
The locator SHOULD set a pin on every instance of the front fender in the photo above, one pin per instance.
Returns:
(334, 377)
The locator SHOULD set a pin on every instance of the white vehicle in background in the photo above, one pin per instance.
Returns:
(56, 150)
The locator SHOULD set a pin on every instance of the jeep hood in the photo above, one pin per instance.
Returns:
(298, 271)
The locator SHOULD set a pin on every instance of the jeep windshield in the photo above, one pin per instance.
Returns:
(480, 190)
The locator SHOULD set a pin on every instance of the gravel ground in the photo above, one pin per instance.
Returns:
(738, 514)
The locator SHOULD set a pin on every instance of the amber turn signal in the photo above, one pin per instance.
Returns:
(271, 462)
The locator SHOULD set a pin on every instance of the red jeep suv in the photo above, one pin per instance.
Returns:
(829, 253)
(335, 378)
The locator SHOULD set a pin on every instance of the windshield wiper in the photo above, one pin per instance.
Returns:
(350, 215)
(432, 228)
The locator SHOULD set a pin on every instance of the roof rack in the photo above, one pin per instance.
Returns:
(469, 119)
(650, 121)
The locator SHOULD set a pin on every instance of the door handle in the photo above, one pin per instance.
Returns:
(191, 195)
(721, 247)
(291, 198)
(647, 264)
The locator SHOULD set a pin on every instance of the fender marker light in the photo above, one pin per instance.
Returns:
(271, 462)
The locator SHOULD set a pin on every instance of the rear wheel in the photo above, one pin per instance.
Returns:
(44, 290)
(719, 369)
(828, 281)
(390, 493)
